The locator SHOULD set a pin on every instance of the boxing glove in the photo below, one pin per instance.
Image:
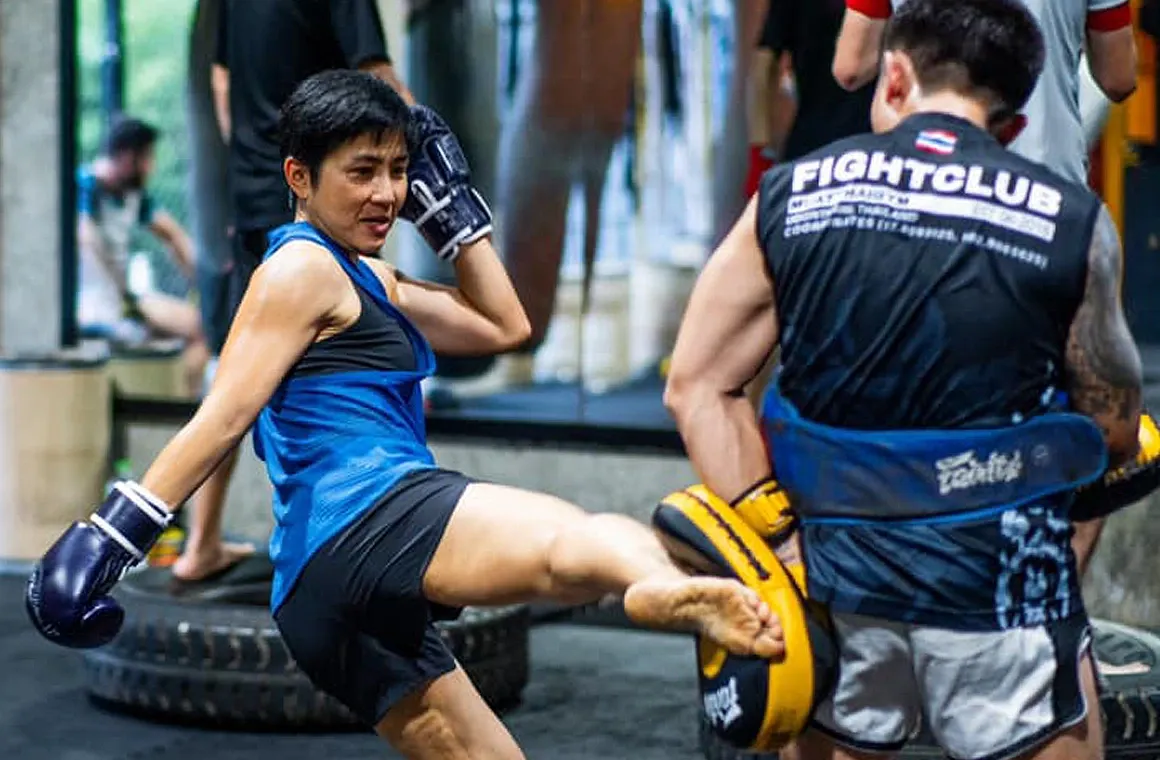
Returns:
(67, 596)
(766, 508)
(1126, 484)
(441, 202)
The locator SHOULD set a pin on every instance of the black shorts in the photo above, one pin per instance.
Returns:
(220, 289)
(356, 620)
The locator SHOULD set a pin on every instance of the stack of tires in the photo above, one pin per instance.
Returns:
(214, 656)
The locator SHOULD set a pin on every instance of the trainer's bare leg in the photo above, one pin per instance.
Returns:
(1084, 542)
(1084, 741)
(447, 720)
(205, 553)
(814, 745)
(504, 545)
(174, 317)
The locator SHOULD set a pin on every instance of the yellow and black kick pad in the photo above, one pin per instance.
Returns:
(1126, 484)
(752, 703)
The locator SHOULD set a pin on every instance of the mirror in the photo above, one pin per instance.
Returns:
(602, 133)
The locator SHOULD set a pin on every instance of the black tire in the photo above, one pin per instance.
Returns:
(216, 658)
(1130, 701)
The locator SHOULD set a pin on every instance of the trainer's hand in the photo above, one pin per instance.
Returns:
(441, 202)
(1125, 485)
(67, 596)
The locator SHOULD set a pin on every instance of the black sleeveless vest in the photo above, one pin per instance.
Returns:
(925, 277)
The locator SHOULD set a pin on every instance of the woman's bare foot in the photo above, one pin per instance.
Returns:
(199, 564)
(720, 609)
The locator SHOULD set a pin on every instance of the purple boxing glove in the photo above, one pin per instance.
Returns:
(441, 202)
(67, 596)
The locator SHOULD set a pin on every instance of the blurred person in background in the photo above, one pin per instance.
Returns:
(112, 203)
(264, 49)
(568, 113)
(1058, 129)
(798, 41)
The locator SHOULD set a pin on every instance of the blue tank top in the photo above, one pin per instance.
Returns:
(336, 442)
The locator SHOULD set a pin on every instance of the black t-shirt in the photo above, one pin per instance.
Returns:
(925, 277)
(808, 30)
(269, 47)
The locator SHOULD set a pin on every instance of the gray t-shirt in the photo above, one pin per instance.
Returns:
(1055, 132)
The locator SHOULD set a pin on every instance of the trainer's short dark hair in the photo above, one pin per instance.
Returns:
(335, 106)
(992, 49)
(129, 134)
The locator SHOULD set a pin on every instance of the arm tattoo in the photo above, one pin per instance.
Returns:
(1104, 373)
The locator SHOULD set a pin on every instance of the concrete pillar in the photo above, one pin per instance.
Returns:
(54, 404)
(449, 63)
(30, 203)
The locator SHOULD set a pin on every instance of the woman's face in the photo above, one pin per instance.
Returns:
(360, 188)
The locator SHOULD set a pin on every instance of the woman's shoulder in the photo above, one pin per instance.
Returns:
(300, 259)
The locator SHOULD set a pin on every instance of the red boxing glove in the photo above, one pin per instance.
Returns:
(760, 161)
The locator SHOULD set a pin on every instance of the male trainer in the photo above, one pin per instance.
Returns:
(1064, 113)
(955, 363)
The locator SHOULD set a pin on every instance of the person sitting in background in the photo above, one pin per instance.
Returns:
(112, 201)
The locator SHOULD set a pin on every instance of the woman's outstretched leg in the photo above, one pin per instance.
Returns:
(504, 545)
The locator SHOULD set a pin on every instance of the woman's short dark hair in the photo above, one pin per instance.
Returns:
(991, 49)
(333, 107)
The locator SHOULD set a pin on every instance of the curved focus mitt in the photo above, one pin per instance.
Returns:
(751, 703)
(1126, 484)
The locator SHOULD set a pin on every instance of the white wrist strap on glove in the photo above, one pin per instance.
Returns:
(153, 508)
(432, 206)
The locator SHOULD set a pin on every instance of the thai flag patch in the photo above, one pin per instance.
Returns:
(936, 141)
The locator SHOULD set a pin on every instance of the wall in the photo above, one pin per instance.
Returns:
(625, 483)
(1121, 585)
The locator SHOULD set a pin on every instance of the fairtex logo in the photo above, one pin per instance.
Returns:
(964, 471)
(937, 141)
(722, 706)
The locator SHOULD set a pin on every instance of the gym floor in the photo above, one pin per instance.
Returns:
(594, 694)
